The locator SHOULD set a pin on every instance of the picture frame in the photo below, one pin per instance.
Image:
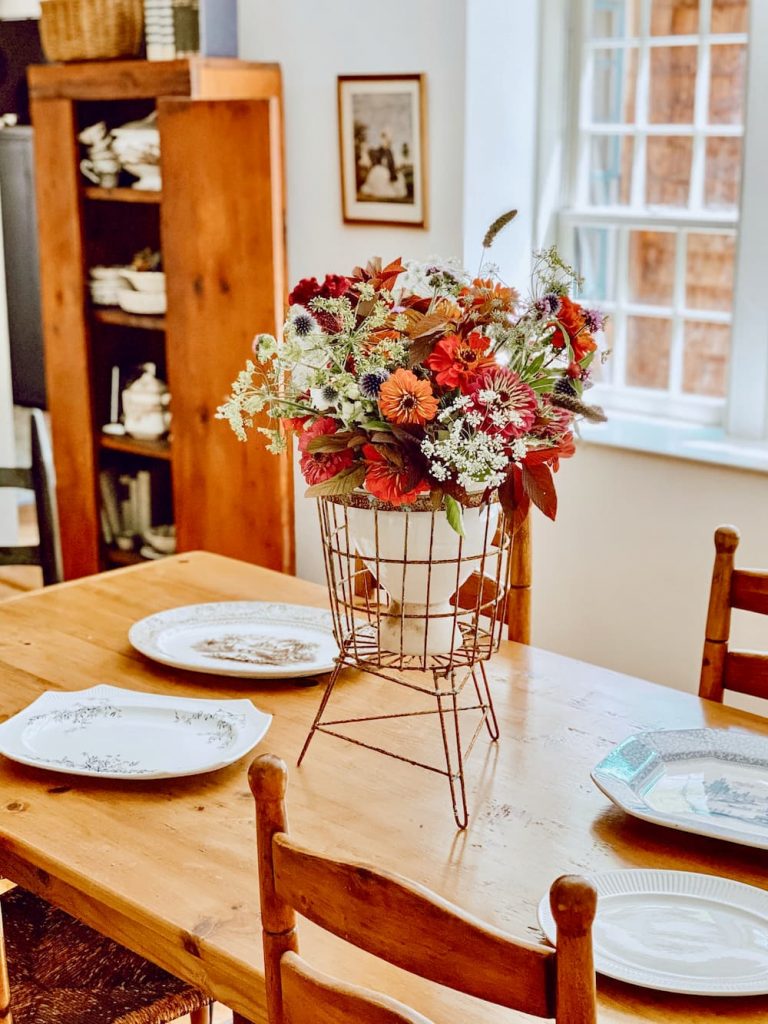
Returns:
(383, 149)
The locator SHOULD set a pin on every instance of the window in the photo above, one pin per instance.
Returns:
(652, 219)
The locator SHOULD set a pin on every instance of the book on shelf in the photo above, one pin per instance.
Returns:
(131, 503)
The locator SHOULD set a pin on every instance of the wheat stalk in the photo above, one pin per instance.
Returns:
(498, 225)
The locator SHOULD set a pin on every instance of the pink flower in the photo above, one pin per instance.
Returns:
(507, 404)
(317, 467)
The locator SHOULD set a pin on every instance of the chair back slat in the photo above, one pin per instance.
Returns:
(313, 998)
(746, 673)
(44, 486)
(16, 476)
(749, 591)
(40, 478)
(408, 926)
(20, 555)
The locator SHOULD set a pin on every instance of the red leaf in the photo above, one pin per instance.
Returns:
(514, 501)
(540, 488)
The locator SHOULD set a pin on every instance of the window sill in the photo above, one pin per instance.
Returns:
(676, 440)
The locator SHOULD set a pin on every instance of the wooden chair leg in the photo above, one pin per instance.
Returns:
(202, 1016)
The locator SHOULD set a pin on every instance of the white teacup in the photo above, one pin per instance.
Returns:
(103, 171)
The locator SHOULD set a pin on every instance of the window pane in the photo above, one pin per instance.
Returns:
(668, 170)
(601, 371)
(610, 172)
(613, 86)
(705, 359)
(616, 19)
(648, 344)
(596, 261)
(673, 84)
(709, 271)
(726, 87)
(722, 173)
(652, 267)
(674, 17)
(730, 15)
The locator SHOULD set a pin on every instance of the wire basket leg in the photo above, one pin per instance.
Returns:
(326, 697)
(485, 698)
(451, 734)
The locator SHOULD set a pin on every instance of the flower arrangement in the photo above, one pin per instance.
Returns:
(412, 379)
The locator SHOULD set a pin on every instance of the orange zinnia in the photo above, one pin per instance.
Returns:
(406, 399)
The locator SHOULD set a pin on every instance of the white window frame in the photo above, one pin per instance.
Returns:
(744, 411)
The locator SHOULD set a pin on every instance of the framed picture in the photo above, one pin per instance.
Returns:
(382, 139)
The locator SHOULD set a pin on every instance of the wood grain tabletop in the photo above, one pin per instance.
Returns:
(168, 867)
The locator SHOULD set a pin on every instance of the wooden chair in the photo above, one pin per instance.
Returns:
(517, 607)
(54, 969)
(408, 926)
(39, 477)
(723, 669)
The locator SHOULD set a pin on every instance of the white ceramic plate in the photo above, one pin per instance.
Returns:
(113, 733)
(713, 782)
(253, 639)
(677, 931)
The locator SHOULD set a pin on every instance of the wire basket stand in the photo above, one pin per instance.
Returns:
(420, 607)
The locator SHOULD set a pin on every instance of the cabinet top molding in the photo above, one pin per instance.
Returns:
(199, 77)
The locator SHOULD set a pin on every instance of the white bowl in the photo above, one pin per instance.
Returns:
(145, 280)
(107, 274)
(131, 301)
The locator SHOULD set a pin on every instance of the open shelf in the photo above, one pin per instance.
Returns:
(142, 321)
(122, 195)
(134, 446)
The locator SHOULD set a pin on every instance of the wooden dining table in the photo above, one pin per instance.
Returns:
(168, 866)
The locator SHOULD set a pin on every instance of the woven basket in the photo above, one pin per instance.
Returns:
(91, 29)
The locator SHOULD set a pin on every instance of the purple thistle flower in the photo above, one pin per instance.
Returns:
(548, 305)
(370, 383)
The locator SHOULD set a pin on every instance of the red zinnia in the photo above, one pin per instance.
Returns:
(388, 482)
(457, 361)
(317, 467)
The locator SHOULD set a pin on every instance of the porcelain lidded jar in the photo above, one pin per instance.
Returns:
(145, 406)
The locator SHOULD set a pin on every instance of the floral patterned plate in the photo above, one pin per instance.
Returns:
(122, 734)
(252, 639)
(713, 782)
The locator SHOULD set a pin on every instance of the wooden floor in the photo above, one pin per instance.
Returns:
(15, 579)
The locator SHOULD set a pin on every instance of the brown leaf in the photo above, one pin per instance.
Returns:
(328, 443)
(343, 483)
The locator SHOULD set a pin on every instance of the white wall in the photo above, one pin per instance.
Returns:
(622, 578)
(314, 42)
(14, 9)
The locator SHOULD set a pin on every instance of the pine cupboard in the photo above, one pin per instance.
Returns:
(219, 222)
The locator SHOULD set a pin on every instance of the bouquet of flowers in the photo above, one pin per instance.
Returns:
(412, 379)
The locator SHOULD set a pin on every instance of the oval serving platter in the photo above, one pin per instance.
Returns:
(250, 639)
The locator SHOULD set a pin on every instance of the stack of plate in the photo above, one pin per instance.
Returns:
(158, 26)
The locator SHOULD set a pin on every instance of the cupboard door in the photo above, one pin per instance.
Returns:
(223, 249)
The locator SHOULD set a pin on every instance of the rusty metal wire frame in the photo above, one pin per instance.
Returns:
(477, 573)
